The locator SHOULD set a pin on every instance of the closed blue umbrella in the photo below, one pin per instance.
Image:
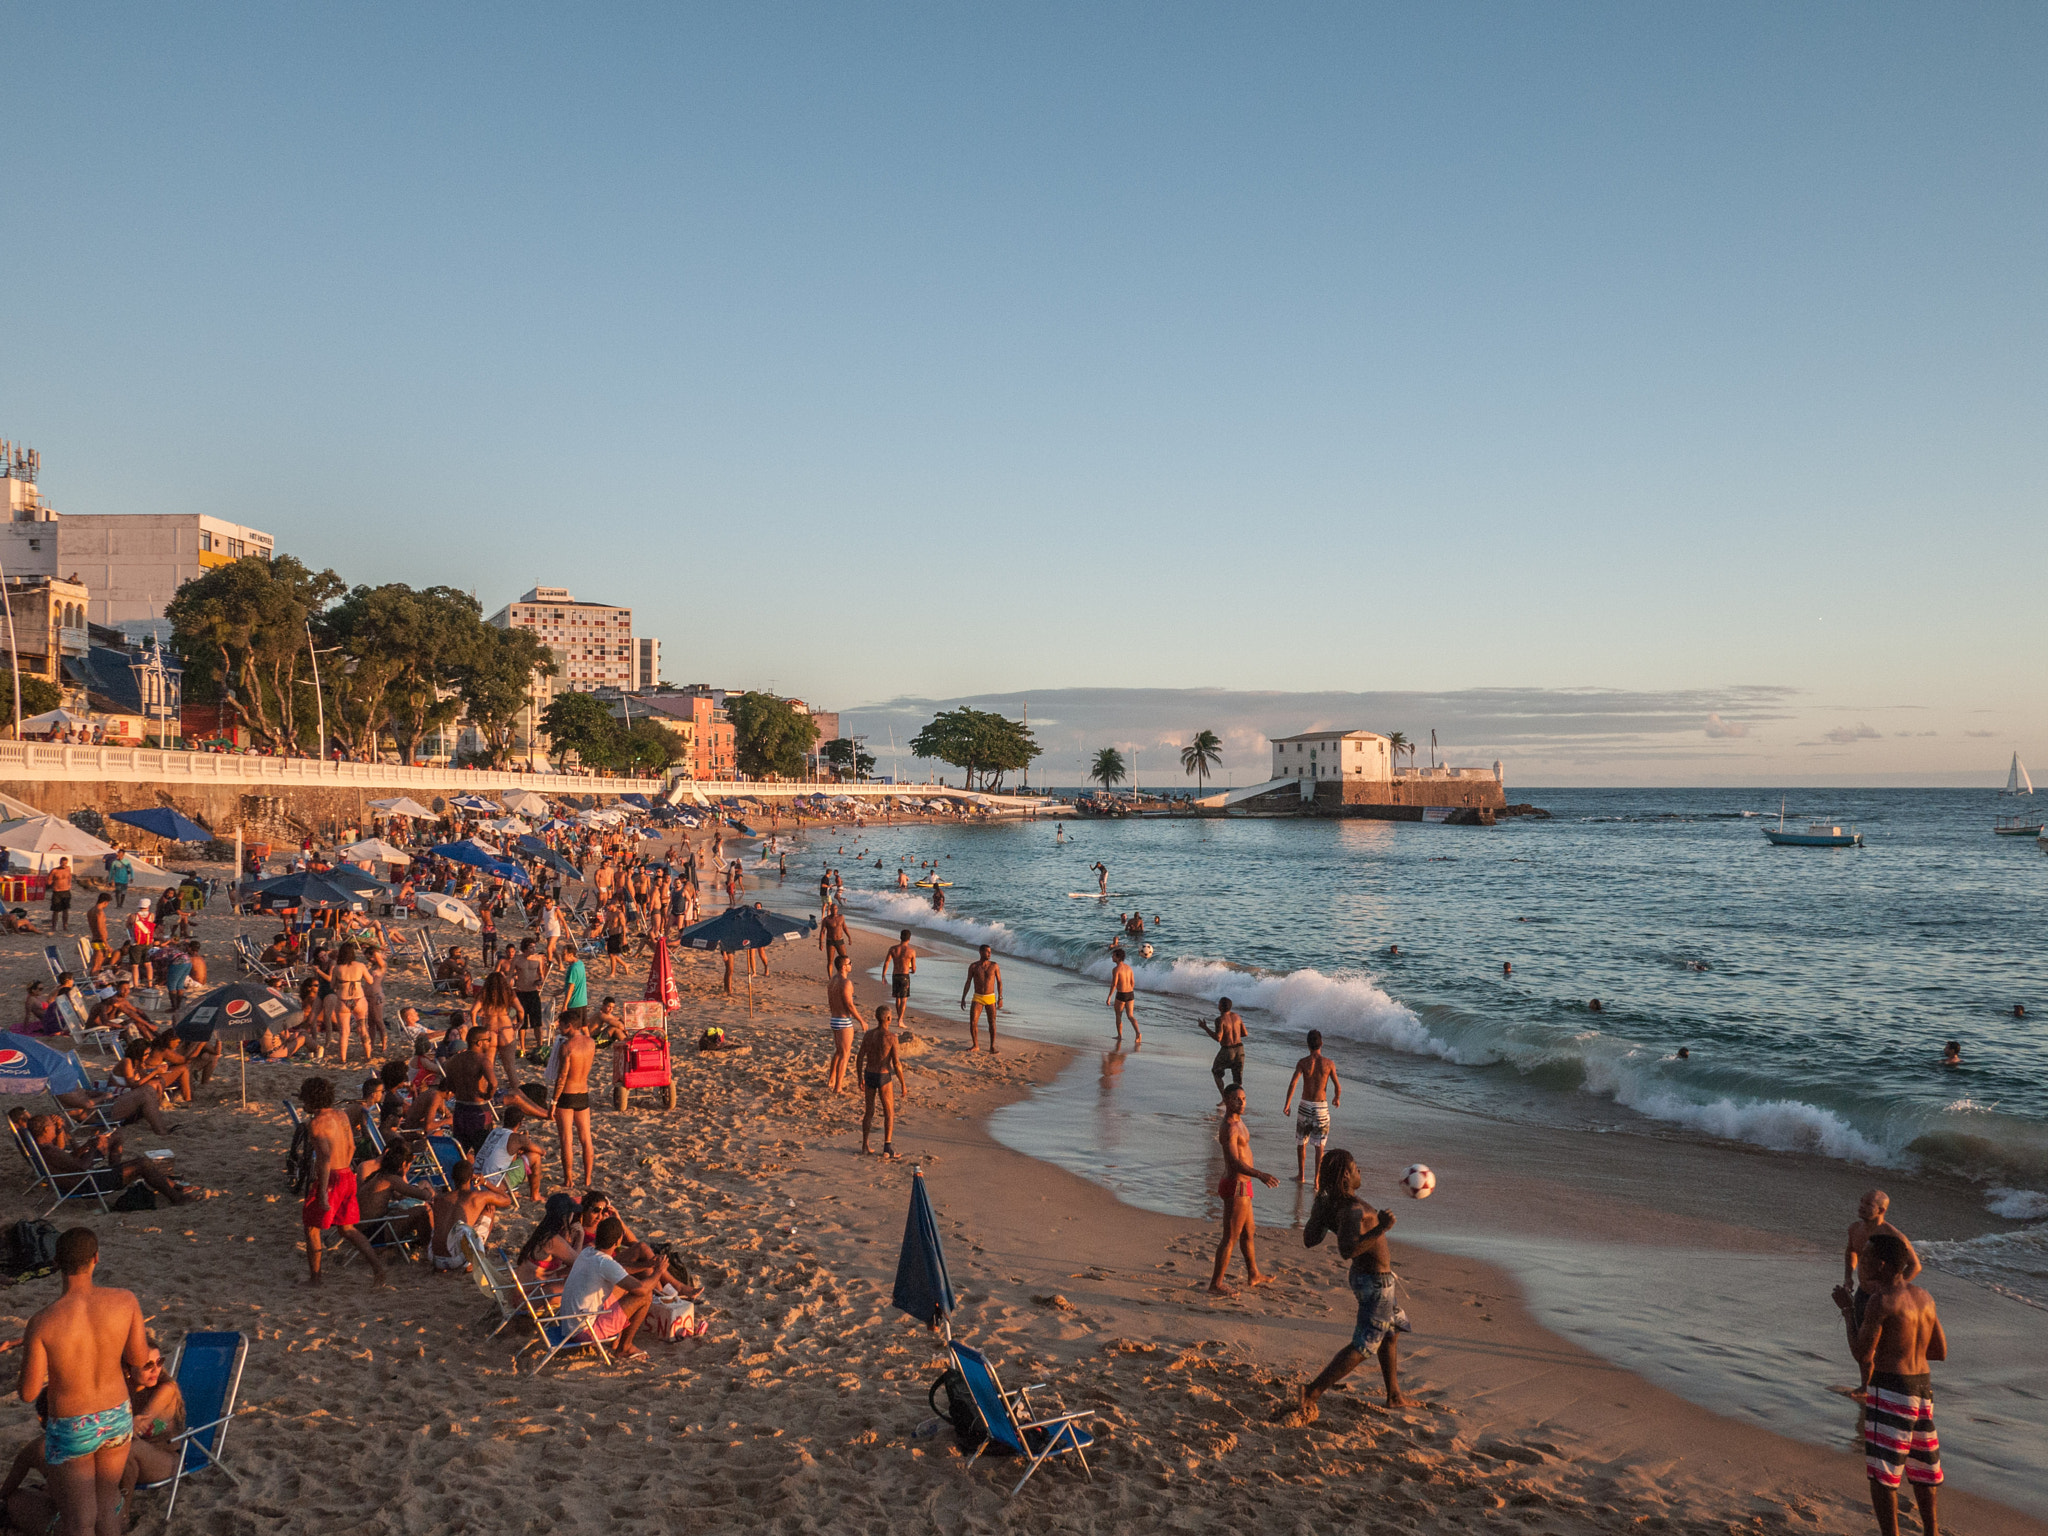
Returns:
(923, 1288)
(165, 822)
(27, 1065)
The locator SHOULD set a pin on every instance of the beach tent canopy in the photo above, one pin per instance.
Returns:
(743, 928)
(241, 1010)
(164, 822)
(53, 719)
(473, 853)
(449, 910)
(923, 1288)
(151, 877)
(400, 805)
(376, 848)
(525, 802)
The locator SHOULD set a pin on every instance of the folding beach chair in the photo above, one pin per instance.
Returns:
(427, 1165)
(105, 1037)
(495, 1276)
(292, 1111)
(89, 1185)
(208, 1367)
(54, 962)
(557, 1332)
(1005, 1416)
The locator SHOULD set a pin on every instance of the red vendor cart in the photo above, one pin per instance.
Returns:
(641, 1057)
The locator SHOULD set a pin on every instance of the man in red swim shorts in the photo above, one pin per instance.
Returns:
(1236, 1190)
(331, 1188)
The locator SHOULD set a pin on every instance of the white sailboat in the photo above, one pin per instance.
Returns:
(2017, 783)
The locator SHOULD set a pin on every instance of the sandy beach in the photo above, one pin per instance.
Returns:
(392, 1409)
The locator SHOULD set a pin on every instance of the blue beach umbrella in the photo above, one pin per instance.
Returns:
(739, 928)
(534, 848)
(922, 1286)
(639, 800)
(311, 889)
(474, 803)
(165, 822)
(473, 853)
(27, 1065)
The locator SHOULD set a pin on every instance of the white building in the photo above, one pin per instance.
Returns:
(1333, 755)
(132, 563)
(592, 642)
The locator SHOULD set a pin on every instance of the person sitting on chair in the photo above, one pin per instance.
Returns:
(379, 1182)
(158, 1408)
(120, 1169)
(466, 1204)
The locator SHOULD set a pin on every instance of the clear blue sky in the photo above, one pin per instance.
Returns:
(1696, 353)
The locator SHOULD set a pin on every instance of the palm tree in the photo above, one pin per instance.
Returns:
(1397, 743)
(1109, 767)
(1201, 757)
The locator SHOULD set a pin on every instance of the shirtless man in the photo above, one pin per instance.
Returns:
(570, 1107)
(1897, 1337)
(1101, 879)
(845, 1020)
(1871, 1219)
(833, 935)
(1362, 1238)
(1123, 996)
(982, 992)
(465, 1203)
(1320, 1093)
(902, 961)
(382, 1180)
(60, 897)
(1236, 1190)
(470, 1086)
(1228, 1033)
(331, 1191)
(75, 1348)
(879, 1061)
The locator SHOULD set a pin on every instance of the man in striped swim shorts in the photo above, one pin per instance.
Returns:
(1898, 1336)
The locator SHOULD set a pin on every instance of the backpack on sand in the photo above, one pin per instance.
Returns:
(961, 1413)
(28, 1246)
(298, 1159)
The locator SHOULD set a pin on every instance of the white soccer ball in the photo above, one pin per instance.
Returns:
(1418, 1181)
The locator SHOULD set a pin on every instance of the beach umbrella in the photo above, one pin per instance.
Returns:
(639, 800)
(474, 803)
(473, 853)
(401, 805)
(237, 1012)
(534, 848)
(42, 840)
(53, 719)
(661, 979)
(449, 910)
(29, 1065)
(165, 823)
(377, 849)
(922, 1286)
(312, 889)
(739, 928)
(526, 803)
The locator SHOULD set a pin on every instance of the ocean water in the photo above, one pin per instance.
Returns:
(1812, 988)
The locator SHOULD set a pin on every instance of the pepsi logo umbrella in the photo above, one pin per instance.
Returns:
(240, 1010)
(739, 928)
(661, 978)
(314, 889)
(27, 1065)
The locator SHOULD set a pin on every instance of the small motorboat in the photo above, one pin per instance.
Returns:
(2019, 826)
(1817, 834)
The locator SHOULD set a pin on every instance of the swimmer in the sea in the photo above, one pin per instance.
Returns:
(1593, 1006)
(1507, 967)
(1952, 1054)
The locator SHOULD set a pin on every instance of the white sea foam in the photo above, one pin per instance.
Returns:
(2016, 1204)
(1783, 1125)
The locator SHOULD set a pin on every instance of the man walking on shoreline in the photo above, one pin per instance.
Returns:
(1123, 995)
(1228, 1033)
(845, 1014)
(902, 966)
(1236, 1190)
(1320, 1092)
(75, 1349)
(880, 1061)
(982, 992)
(1897, 1338)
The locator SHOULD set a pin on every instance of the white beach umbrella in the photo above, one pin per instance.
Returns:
(526, 803)
(42, 840)
(402, 806)
(375, 848)
(449, 910)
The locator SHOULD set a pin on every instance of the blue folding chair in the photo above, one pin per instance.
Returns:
(1005, 1417)
(557, 1332)
(92, 1184)
(208, 1367)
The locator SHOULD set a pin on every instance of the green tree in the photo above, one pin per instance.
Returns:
(845, 755)
(241, 629)
(770, 738)
(985, 744)
(646, 745)
(406, 653)
(1108, 767)
(38, 696)
(1201, 756)
(583, 724)
(495, 683)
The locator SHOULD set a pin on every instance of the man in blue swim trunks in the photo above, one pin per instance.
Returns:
(75, 1350)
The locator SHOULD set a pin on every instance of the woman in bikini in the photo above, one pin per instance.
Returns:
(159, 1411)
(545, 1258)
(352, 994)
(497, 1010)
